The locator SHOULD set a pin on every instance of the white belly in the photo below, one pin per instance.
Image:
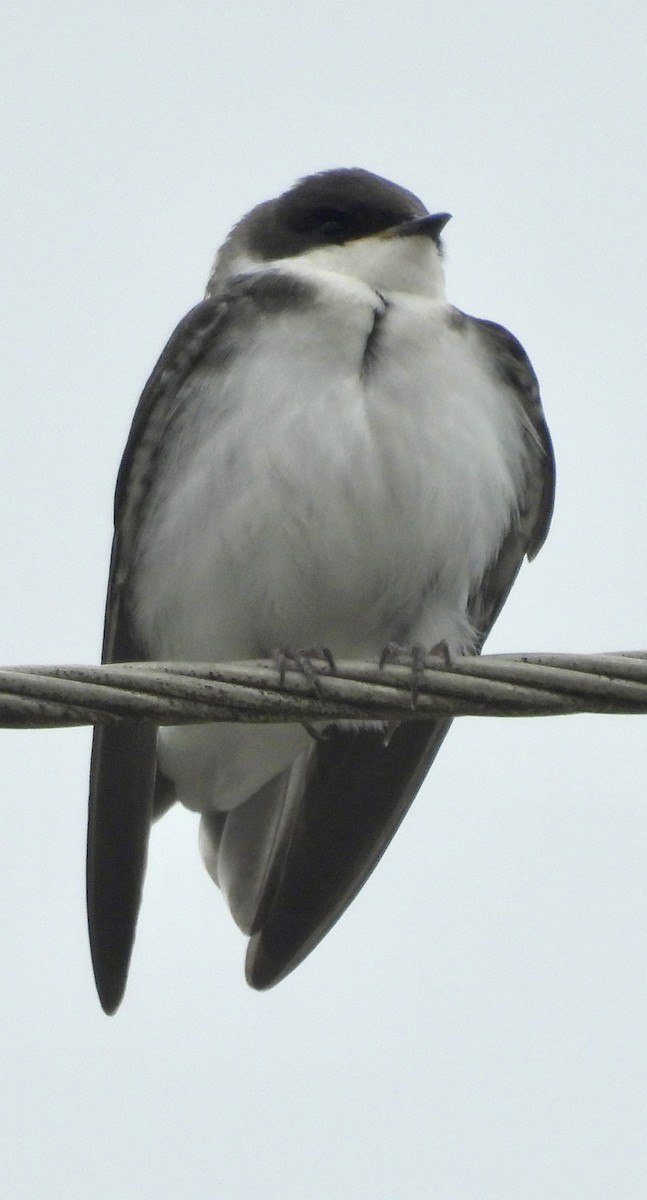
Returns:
(311, 502)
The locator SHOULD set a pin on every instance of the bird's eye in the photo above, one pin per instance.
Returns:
(331, 224)
(325, 223)
(333, 227)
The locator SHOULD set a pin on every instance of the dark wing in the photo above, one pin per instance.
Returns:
(354, 790)
(528, 533)
(123, 791)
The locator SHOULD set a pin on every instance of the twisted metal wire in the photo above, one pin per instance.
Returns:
(185, 693)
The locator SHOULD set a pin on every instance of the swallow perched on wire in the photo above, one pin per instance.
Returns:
(327, 454)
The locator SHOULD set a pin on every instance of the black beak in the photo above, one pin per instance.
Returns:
(430, 227)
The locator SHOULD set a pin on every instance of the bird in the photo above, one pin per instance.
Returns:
(328, 457)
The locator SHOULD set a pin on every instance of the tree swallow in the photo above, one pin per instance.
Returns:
(327, 454)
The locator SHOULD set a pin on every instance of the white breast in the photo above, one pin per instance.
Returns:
(314, 499)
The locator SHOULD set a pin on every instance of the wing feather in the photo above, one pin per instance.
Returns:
(123, 786)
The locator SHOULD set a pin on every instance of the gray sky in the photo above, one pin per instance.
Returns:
(475, 1027)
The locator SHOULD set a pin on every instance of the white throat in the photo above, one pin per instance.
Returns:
(385, 264)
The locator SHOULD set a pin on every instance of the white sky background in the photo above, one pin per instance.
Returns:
(475, 1027)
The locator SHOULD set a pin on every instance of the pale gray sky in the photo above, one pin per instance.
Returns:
(476, 1026)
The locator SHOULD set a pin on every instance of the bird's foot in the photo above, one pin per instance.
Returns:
(302, 660)
(417, 658)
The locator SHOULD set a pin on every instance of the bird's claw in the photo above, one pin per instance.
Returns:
(417, 657)
(441, 650)
(302, 660)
